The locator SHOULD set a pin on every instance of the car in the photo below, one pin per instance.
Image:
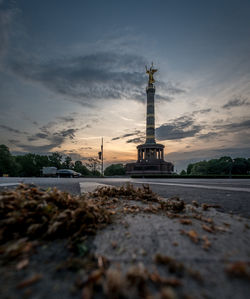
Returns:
(68, 173)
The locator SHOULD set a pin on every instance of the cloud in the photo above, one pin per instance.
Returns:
(85, 148)
(137, 132)
(202, 111)
(170, 87)
(235, 127)
(7, 13)
(66, 119)
(182, 127)
(236, 102)
(88, 78)
(52, 139)
(9, 129)
(208, 136)
(136, 140)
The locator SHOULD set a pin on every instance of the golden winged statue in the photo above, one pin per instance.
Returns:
(150, 73)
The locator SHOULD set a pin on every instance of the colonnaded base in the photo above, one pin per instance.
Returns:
(150, 161)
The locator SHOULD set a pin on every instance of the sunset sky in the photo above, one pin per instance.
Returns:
(74, 71)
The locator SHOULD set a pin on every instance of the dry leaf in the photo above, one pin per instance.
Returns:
(208, 228)
(239, 269)
(206, 244)
(27, 282)
(185, 221)
(193, 235)
(22, 264)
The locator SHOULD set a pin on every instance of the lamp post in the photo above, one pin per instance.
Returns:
(100, 156)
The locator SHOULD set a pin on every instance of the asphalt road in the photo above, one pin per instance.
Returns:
(232, 194)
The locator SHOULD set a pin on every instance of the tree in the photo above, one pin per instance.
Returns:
(28, 165)
(68, 164)
(199, 168)
(55, 159)
(94, 164)
(79, 167)
(7, 162)
(239, 166)
(115, 169)
(183, 172)
(189, 168)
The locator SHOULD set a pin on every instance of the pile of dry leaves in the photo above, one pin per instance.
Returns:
(128, 191)
(29, 212)
(144, 195)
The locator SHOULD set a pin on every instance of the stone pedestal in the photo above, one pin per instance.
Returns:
(150, 161)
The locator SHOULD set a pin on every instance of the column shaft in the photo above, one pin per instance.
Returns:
(150, 121)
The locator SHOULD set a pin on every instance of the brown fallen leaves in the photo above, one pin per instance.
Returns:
(239, 270)
(128, 191)
(206, 243)
(177, 267)
(206, 206)
(134, 283)
(185, 221)
(29, 213)
(209, 229)
(144, 194)
(193, 235)
(195, 238)
(29, 281)
(22, 264)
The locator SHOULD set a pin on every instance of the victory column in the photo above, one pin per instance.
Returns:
(150, 154)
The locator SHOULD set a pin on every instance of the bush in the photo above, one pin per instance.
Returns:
(115, 169)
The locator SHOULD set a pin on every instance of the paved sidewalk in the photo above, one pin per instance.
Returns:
(138, 238)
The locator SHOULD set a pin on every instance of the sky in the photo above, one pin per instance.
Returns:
(72, 72)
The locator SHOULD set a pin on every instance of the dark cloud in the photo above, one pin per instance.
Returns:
(88, 78)
(202, 111)
(85, 148)
(38, 148)
(53, 139)
(208, 136)
(9, 129)
(136, 140)
(66, 119)
(73, 154)
(182, 127)
(135, 133)
(42, 135)
(67, 133)
(236, 102)
(235, 127)
(48, 127)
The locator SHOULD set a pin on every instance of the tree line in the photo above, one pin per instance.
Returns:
(28, 165)
(222, 166)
